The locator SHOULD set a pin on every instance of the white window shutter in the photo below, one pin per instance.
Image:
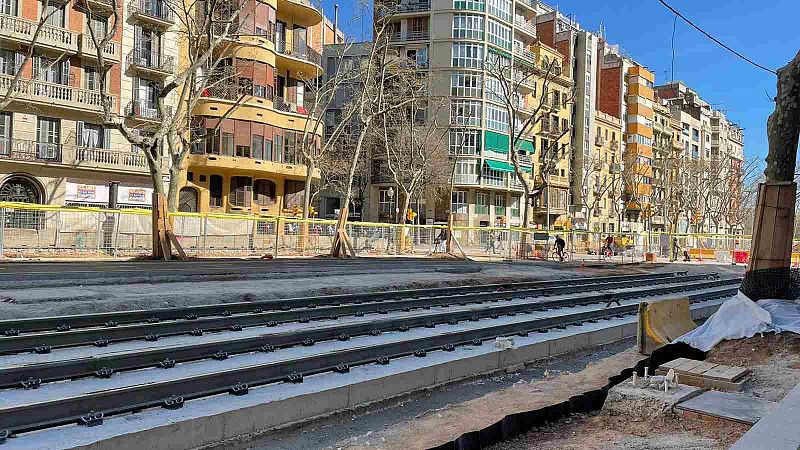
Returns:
(79, 134)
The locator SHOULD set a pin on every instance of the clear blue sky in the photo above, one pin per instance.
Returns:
(765, 31)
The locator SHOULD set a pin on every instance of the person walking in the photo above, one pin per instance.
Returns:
(560, 244)
(676, 248)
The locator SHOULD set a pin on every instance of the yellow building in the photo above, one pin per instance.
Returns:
(639, 147)
(254, 163)
(552, 165)
(604, 181)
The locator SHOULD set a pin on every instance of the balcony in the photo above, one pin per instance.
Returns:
(89, 51)
(97, 5)
(281, 104)
(407, 7)
(302, 52)
(153, 12)
(54, 94)
(70, 155)
(417, 35)
(599, 141)
(144, 110)
(303, 12)
(21, 30)
(530, 4)
(465, 178)
(525, 27)
(29, 151)
(155, 63)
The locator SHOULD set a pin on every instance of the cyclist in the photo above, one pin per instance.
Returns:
(560, 244)
(609, 250)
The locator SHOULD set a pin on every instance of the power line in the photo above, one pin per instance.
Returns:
(715, 39)
(674, 26)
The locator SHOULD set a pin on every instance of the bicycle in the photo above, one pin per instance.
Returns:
(565, 256)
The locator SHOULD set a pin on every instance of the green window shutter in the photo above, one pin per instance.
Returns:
(497, 142)
(499, 166)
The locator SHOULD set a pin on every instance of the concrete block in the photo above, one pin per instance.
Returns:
(569, 343)
(390, 386)
(527, 353)
(646, 402)
(466, 367)
(605, 336)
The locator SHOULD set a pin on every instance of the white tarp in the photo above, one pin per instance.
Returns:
(740, 317)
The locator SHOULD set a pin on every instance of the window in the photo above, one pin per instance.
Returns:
(241, 191)
(5, 134)
(481, 203)
(639, 139)
(9, 61)
(258, 146)
(466, 171)
(54, 13)
(92, 135)
(647, 180)
(226, 144)
(499, 34)
(496, 118)
(497, 61)
(494, 90)
(491, 177)
(48, 138)
(465, 112)
(643, 160)
(91, 78)
(472, 5)
(50, 70)
(467, 26)
(515, 211)
(215, 191)
(243, 151)
(264, 193)
(385, 203)
(695, 151)
(467, 55)
(695, 135)
(500, 8)
(465, 85)
(465, 142)
(268, 153)
(499, 205)
(458, 203)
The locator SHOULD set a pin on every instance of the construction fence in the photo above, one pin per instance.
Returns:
(51, 231)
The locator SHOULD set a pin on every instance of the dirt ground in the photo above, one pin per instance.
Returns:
(603, 431)
(774, 360)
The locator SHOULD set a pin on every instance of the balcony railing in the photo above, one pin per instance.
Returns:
(303, 52)
(58, 94)
(465, 178)
(599, 140)
(146, 59)
(24, 150)
(525, 26)
(143, 109)
(418, 35)
(152, 10)
(88, 49)
(411, 6)
(19, 29)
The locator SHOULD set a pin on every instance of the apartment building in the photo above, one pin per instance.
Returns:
(253, 163)
(453, 40)
(712, 155)
(668, 148)
(53, 147)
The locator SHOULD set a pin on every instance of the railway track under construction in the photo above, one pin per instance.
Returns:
(84, 370)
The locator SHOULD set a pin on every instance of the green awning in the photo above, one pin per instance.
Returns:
(525, 168)
(526, 146)
(499, 166)
(500, 52)
(496, 142)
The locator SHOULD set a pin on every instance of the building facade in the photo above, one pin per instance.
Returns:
(253, 163)
(53, 146)
(452, 40)
(55, 150)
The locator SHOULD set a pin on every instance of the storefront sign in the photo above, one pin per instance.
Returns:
(86, 193)
(134, 195)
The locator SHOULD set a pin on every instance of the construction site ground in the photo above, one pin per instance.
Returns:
(775, 364)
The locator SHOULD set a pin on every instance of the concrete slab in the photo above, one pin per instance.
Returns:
(728, 406)
(779, 430)
(645, 402)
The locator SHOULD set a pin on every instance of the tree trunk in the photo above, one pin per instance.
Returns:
(768, 273)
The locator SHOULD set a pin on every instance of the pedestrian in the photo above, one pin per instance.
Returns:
(441, 241)
(560, 244)
(676, 248)
(609, 251)
(490, 243)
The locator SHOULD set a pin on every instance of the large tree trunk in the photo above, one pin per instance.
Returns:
(770, 258)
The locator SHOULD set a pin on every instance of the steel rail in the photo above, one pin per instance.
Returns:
(88, 336)
(172, 393)
(60, 370)
(175, 313)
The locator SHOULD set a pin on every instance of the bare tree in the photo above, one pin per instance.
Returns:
(505, 85)
(597, 181)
